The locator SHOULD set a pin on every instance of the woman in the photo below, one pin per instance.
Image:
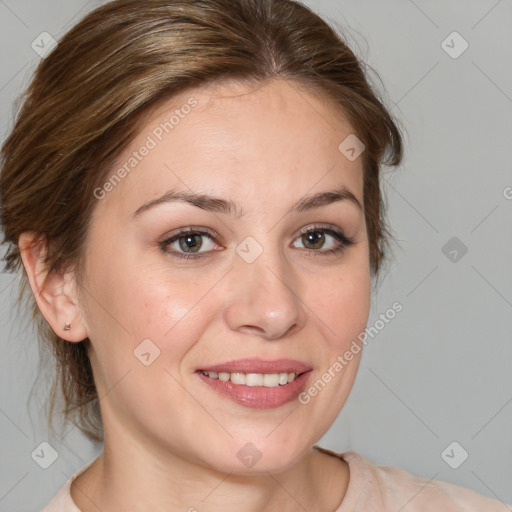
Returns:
(192, 192)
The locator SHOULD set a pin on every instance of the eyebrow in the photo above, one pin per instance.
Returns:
(218, 205)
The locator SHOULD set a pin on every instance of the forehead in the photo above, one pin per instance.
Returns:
(239, 140)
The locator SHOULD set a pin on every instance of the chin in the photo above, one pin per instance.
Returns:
(247, 458)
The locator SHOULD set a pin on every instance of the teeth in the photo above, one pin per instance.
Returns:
(236, 378)
(268, 380)
(254, 379)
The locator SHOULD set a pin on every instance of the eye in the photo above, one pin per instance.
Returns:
(194, 243)
(329, 239)
(189, 243)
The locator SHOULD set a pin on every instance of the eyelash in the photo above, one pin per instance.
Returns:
(343, 240)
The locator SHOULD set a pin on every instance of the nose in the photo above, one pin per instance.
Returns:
(263, 298)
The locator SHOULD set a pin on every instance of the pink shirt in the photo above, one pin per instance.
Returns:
(371, 488)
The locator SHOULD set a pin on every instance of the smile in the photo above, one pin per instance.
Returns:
(257, 383)
(268, 380)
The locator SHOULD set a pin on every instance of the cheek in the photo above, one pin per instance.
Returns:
(159, 304)
(150, 306)
(169, 305)
(342, 306)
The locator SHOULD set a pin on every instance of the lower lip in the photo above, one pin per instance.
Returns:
(258, 397)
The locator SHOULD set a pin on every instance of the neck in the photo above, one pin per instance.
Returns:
(127, 471)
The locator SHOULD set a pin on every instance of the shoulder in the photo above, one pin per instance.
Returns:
(62, 501)
(372, 487)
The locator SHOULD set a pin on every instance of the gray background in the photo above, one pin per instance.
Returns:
(440, 370)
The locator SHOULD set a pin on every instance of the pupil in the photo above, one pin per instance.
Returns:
(314, 238)
(190, 242)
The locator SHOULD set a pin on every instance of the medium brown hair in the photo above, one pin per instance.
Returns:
(90, 96)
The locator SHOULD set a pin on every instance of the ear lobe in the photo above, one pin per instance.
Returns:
(57, 300)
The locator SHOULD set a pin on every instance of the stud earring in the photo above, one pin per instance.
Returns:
(67, 327)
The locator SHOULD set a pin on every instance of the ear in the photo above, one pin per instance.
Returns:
(58, 300)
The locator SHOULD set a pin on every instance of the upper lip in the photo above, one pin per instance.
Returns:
(258, 366)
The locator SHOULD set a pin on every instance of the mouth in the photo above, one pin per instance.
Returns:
(268, 380)
(256, 383)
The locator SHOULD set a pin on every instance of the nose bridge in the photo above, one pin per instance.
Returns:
(262, 296)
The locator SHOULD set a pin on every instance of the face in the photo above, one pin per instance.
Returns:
(236, 271)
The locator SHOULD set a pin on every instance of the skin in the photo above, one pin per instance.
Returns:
(168, 436)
